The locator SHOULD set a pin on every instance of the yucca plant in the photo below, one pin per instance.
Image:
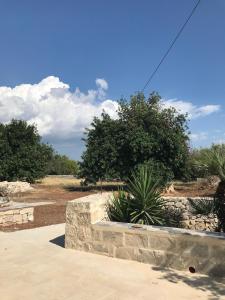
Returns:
(202, 206)
(146, 204)
(118, 208)
(215, 159)
(142, 203)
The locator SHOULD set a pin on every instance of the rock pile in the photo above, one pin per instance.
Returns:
(191, 221)
(7, 188)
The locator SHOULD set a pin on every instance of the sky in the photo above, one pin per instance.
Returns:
(63, 62)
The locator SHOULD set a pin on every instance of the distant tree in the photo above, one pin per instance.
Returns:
(22, 154)
(144, 132)
(62, 165)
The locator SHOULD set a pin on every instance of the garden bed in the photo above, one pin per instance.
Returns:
(88, 230)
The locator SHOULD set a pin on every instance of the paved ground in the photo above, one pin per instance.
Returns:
(35, 266)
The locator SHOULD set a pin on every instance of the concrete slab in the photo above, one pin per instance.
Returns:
(34, 265)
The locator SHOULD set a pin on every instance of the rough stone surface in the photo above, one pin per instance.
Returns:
(161, 246)
(190, 221)
(16, 213)
(9, 188)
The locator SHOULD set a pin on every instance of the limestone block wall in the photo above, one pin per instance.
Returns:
(18, 214)
(87, 230)
(190, 221)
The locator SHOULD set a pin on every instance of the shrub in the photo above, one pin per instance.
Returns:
(118, 209)
(214, 158)
(142, 204)
(62, 165)
(173, 217)
(202, 206)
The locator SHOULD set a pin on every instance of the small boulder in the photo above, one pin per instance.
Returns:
(8, 188)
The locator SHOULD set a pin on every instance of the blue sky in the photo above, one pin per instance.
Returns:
(118, 43)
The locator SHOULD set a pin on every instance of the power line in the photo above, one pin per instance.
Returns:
(171, 45)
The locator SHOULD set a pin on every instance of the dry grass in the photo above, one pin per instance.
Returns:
(69, 181)
(59, 180)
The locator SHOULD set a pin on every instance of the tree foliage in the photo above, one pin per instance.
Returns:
(22, 154)
(62, 165)
(144, 132)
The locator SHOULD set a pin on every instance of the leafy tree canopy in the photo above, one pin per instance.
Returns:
(22, 155)
(144, 132)
(62, 165)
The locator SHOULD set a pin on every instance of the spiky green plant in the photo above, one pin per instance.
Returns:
(215, 159)
(202, 206)
(118, 208)
(146, 204)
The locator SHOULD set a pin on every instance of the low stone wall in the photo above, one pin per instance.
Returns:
(180, 249)
(190, 221)
(16, 214)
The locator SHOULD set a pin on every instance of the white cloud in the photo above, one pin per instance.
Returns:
(200, 136)
(57, 111)
(101, 83)
(192, 110)
(62, 113)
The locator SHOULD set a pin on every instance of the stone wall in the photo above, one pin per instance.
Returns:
(18, 214)
(190, 221)
(180, 249)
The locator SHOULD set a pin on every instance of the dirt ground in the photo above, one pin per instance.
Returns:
(46, 214)
(55, 190)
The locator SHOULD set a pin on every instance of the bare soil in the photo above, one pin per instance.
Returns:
(46, 214)
(57, 191)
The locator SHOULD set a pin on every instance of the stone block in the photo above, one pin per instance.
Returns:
(127, 253)
(18, 219)
(159, 242)
(8, 219)
(114, 238)
(96, 235)
(146, 256)
(30, 217)
(84, 233)
(84, 219)
(136, 239)
(27, 210)
(100, 248)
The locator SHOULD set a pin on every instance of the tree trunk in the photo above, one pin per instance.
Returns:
(220, 205)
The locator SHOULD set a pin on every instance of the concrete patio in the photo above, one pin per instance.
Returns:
(34, 265)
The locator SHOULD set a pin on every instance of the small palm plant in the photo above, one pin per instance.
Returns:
(146, 204)
(142, 204)
(118, 209)
(202, 206)
(215, 160)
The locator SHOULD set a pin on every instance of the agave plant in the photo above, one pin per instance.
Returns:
(146, 204)
(142, 203)
(215, 158)
(202, 206)
(118, 208)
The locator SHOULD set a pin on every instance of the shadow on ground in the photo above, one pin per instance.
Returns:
(103, 188)
(203, 283)
(59, 241)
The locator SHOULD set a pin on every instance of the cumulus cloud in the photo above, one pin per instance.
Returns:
(192, 110)
(62, 113)
(54, 108)
(200, 136)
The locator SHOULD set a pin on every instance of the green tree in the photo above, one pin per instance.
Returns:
(144, 132)
(62, 165)
(22, 155)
